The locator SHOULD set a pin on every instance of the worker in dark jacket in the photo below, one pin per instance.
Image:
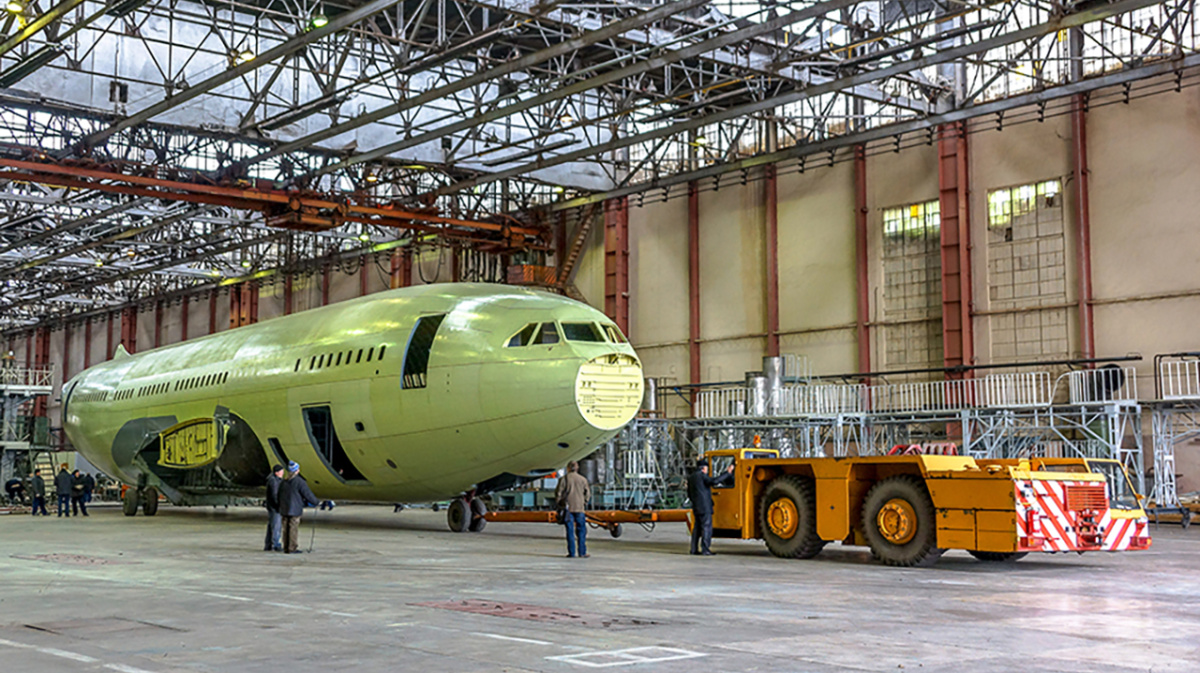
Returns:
(700, 492)
(89, 485)
(62, 488)
(15, 489)
(38, 493)
(77, 502)
(274, 520)
(294, 494)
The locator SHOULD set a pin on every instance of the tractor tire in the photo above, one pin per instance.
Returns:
(478, 512)
(150, 501)
(900, 523)
(999, 556)
(130, 502)
(788, 516)
(458, 515)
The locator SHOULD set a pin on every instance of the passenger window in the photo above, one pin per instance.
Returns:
(416, 358)
(524, 337)
(582, 331)
(549, 334)
(370, 352)
(339, 361)
(359, 359)
(384, 348)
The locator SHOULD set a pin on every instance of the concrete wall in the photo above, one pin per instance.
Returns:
(1145, 247)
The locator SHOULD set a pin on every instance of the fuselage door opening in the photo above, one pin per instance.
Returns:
(318, 420)
(416, 356)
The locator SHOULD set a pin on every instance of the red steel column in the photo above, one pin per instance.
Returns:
(243, 304)
(406, 268)
(287, 294)
(693, 285)
(1083, 226)
(616, 261)
(41, 358)
(29, 339)
(212, 311)
(183, 318)
(455, 264)
(158, 310)
(362, 276)
(860, 257)
(772, 206)
(325, 286)
(87, 343)
(66, 351)
(235, 306)
(108, 352)
(129, 328)
(954, 188)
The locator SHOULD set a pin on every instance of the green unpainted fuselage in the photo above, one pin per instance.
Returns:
(489, 406)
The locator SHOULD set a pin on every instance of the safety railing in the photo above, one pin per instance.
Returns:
(922, 396)
(721, 402)
(1106, 384)
(1021, 389)
(26, 377)
(822, 400)
(1179, 379)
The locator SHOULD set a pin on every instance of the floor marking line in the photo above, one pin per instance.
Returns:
(54, 652)
(627, 657)
(125, 669)
(11, 643)
(497, 636)
(336, 613)
(287, 605)
(232, 598)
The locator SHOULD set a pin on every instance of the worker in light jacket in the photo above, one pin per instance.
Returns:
(700, 487)
(572, 495)
(294, 494)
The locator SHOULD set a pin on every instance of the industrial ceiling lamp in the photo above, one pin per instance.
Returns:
(364, 237)
(319, 20)
(243, 56)
(15, 6)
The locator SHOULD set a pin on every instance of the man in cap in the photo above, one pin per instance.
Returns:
(294, 494)
(274, 520)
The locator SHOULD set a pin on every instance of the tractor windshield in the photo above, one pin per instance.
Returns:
(1121, 493)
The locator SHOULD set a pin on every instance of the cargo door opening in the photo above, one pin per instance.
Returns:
(324, 438)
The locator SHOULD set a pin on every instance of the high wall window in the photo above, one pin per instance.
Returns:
(912, 286)
(1027, 272)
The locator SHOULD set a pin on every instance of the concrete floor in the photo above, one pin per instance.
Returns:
(187, 591)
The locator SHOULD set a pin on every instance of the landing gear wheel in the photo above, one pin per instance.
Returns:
(1185, 518)
(150, 501)
(898, 520)
(478, 512)
(130, 502)
(788, 517)
(999, 556)
(615, 530)
(458, 515)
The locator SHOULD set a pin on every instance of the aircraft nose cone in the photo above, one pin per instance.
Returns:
(608, 390)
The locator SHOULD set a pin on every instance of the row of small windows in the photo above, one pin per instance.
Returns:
(547, 333)
(94, 396)
(202, 381)
(350, 357)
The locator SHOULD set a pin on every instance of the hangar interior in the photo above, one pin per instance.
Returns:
(827, 227)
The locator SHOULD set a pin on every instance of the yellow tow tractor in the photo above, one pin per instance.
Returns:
(911, 507)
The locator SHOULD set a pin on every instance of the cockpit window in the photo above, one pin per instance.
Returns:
(614, 334)
(524, 337)
(549, 334)
(582, 331)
